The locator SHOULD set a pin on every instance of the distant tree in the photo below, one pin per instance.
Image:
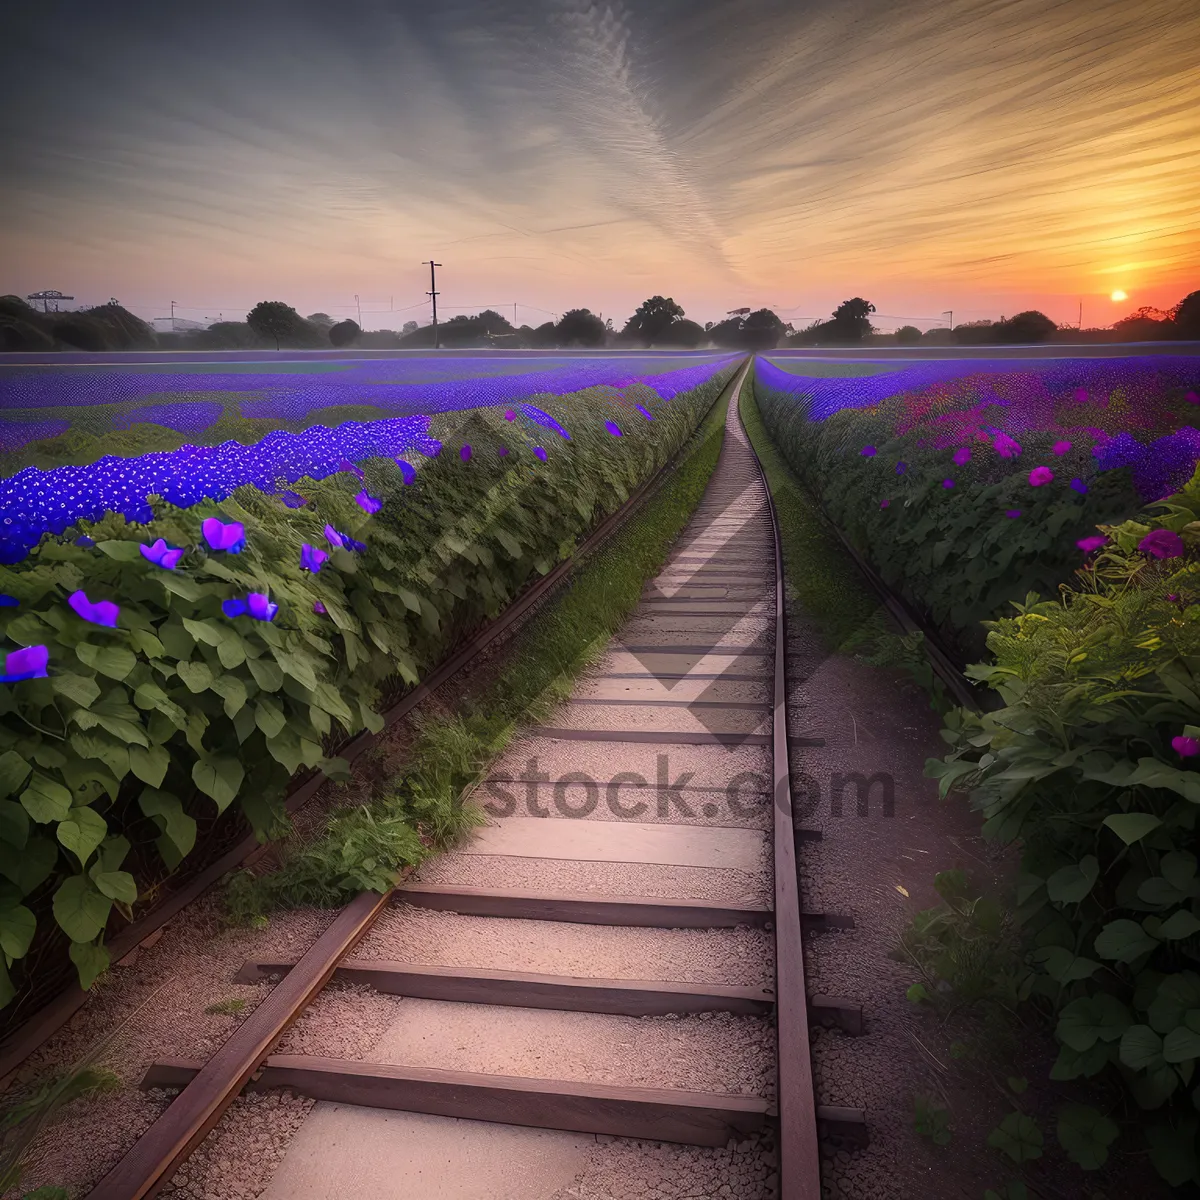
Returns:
(707, 326)
(851, 321)
(321, 320)
(1029, 326)
(381, 339)
(410, 327)
(652, 320)
(272, 320)
(226, 335)
(908, 335)
(686, 334)
(544, 337)
(762, 330)
(1146, 325)
(77, 331)
(344, 332)
(974, 333)
(1187, 317)
(727, 334)
(580, 327)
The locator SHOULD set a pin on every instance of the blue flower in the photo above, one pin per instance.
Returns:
(219, 536)
(256, 605)
(27, 663)
(407, 470)
(162, 555)
(293, 499)
(311, 558)
(102, 612)
(369, 504)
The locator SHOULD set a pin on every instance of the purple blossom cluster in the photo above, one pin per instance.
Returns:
(189, 416)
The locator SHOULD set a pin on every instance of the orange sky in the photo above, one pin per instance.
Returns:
(981, 156)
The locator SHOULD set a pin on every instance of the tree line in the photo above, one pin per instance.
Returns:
(659, 321)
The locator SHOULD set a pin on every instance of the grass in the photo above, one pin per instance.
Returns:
(226, 1008)
(422, 810)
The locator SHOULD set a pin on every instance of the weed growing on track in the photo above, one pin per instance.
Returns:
(423, 809)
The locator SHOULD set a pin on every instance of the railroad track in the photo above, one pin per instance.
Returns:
(696, 683)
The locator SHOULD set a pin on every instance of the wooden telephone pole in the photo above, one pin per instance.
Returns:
(433, 295)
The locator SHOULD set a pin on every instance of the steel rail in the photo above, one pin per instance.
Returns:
(158, 1153)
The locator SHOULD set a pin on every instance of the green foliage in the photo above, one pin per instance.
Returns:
(653, 320)
(423, 809)
(226, 1008)
(272, 320)
(931, 1120)
(1077, 766)
(1018, 1137)
(181, 713)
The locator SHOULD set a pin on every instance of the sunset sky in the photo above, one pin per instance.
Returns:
(984, 156)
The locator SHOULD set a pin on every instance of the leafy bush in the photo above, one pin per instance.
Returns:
(184, 710)
(1090, 766)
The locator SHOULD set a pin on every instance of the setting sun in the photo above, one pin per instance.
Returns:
(1119, 295)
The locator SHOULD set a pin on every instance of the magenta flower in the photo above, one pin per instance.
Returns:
(867, 452)
(1173, 597)
(162, 555)
(1013, 513)
(256, 605)
(1040, 476)
(347, 465)
(1161, 543)
(1081, 395)
(1185, 747)
(615, 429)
(947, 483)
(503, 452)
(1077, 485)
(1061, 447)
(27, 663)
(510, 415)
(311, 558)
(320, 609)
(102, 612)
(369, 504)
(1088, 544)
(219, 536)
(407, 471)
(465, 453)
(962, 456)
(1192, 398)
(539, 454)
(1005, 446)
(884, 503)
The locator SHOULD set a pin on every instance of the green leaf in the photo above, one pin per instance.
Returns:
(1085, 1135)
(122, 551)
(82, 832)
(91, 960)
(80, 910)
(266, 674)
(269, 716)
(80, 688)
(14, 770)
(196, 676)
(179, 829)
(210, 632)
(220, 777)
(30, 867)
(232, 651)
(14, 825)
(149, 764)
(1017, 1136)
(115, 662)
(1018, 1084)
(1180, 924)
(232, 691)
(1063, 965)
(370, 718)
(1124, 941)
(1071, 884)
(1176, 995)
(45, 800)
(17, 927)
(116, 885)
(1092, 1019)
(1132, 827)
(1141, 1048)
(1173, 1151)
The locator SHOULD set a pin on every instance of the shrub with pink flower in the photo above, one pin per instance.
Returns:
(1040, 476)
(1162, 543)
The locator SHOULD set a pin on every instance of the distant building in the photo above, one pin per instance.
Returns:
(176, 325)
(51, 301)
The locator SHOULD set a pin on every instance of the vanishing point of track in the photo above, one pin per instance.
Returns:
(727, 564)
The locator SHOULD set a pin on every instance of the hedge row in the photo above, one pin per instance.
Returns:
(182, 709)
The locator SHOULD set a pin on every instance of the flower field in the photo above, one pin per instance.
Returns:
(188, 628)
(969, 485)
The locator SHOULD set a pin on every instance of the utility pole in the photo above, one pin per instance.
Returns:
(514, 314)
(172, 316)
(949, 313)
(433, 295)
(1081, 315)
(358, 304)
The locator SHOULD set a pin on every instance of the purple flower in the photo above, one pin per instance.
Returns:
(613, 428)
(1040, 476)
(351, 544)
(28, 663)
(901, 467)
(539, 454)
(84, 540)
(219, 536)
(885, 503)
(407, 471)
(256, 604)
(1005, 446)
(643, 412)
(1192, 398)
(1061, 447)
(432, 448)
(8, 601)
(162, 555)
(510, 415)
(1173, 597)
(1185, 747)
(333, 537)
(465, 452)
(503, 451)
(1077, 485)
(102, 612)
(347, 465)
(320, 609)
(947, 483)
(311, 558)
(867, 452)
(962, 456)
(1081, 395)
(1161, 543)
(1013, 513)
(293, 499)
(1088, 544)
(369, 504)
